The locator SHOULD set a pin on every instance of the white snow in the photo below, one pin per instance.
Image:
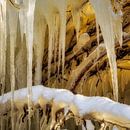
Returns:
(85, 105)
(89, 125)
(115, 128)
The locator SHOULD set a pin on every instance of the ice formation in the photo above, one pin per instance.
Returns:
(29, 40)
(39, 43)
(12, 21)
(27, 15)
(2, 43)
(111, 27)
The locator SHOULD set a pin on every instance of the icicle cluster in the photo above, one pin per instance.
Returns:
(24, 25)
(54, 15)
(25, 33)
(50, 15)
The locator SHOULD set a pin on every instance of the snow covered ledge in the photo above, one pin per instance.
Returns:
(99, 108)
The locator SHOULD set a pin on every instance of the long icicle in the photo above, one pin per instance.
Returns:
(2, 45)
(39, 41)
(56, 43)
(62, 6)
(39, 48)
(50, 49)
(29, 41)
(2, 49)
(13, 17)
(104, 15)
(49, 14)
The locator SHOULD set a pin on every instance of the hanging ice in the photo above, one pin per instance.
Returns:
(29, 43)
(39, 41)
(12, 21)
(55, 14)
(62, 6)
(2, 44)
(110, 28)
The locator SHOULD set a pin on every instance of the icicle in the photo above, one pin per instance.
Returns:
(56, 40)
(59, 58)
(62, 6)
(21, 50)
(104, 15)
(29, 41)
(63, 33)
(2, 50)
(50, 50)
(48, 12)
(12, 21)
(39, 41)
(2, 44)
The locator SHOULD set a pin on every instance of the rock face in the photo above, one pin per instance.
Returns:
(86, 68)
